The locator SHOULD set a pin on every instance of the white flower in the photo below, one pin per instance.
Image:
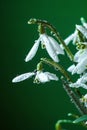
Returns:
(82, 30)
(80, 55)
(81, 61)
(51, 45)
(40, 76)
(81, 82)
(81, 66)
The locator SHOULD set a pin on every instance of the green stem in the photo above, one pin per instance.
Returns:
(74, 98)
(57, 66)
(57, 35)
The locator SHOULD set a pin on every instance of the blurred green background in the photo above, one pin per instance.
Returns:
(28, 106)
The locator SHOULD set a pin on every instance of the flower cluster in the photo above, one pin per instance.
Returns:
(79, 66)
(59, 46)
(53, 48)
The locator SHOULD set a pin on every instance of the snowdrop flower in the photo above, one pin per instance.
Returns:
(51, 45)
(82, 30)
(40, 77)
(81, 59)
(79, 68)
(81, 82)
(81, 54)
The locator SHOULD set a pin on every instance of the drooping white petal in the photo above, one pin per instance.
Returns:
(44, 39)
(75, 38)
(51, 76)
(71, 68)
(56, 46)
(82, 30)
(82, 79)
(81, 66)
(23, 77)
(80, 55)
(69, 39)
(83, 85)
(33, 51)
(85, 25)
(77, 85)
(74, 85)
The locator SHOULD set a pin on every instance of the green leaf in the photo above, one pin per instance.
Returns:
(80, 119)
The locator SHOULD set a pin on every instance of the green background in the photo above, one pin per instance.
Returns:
(28, 106)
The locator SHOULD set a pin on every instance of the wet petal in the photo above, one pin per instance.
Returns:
(77, 85)
(33, 51)
(23, 77)
(56, 46)
(81, 66)
(79, 56)
(75, 37)
(69, 39)
(71, 68)
(49, 47)
(85, 25)
(51, 76)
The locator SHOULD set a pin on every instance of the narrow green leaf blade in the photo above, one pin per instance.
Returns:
(80, 119)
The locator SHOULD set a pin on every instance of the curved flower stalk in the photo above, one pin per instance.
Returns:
(50, 44)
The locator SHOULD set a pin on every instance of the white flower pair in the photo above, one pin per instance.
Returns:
(53, 49)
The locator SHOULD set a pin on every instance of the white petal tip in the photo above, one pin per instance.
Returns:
(14, 80)
(26, 60)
